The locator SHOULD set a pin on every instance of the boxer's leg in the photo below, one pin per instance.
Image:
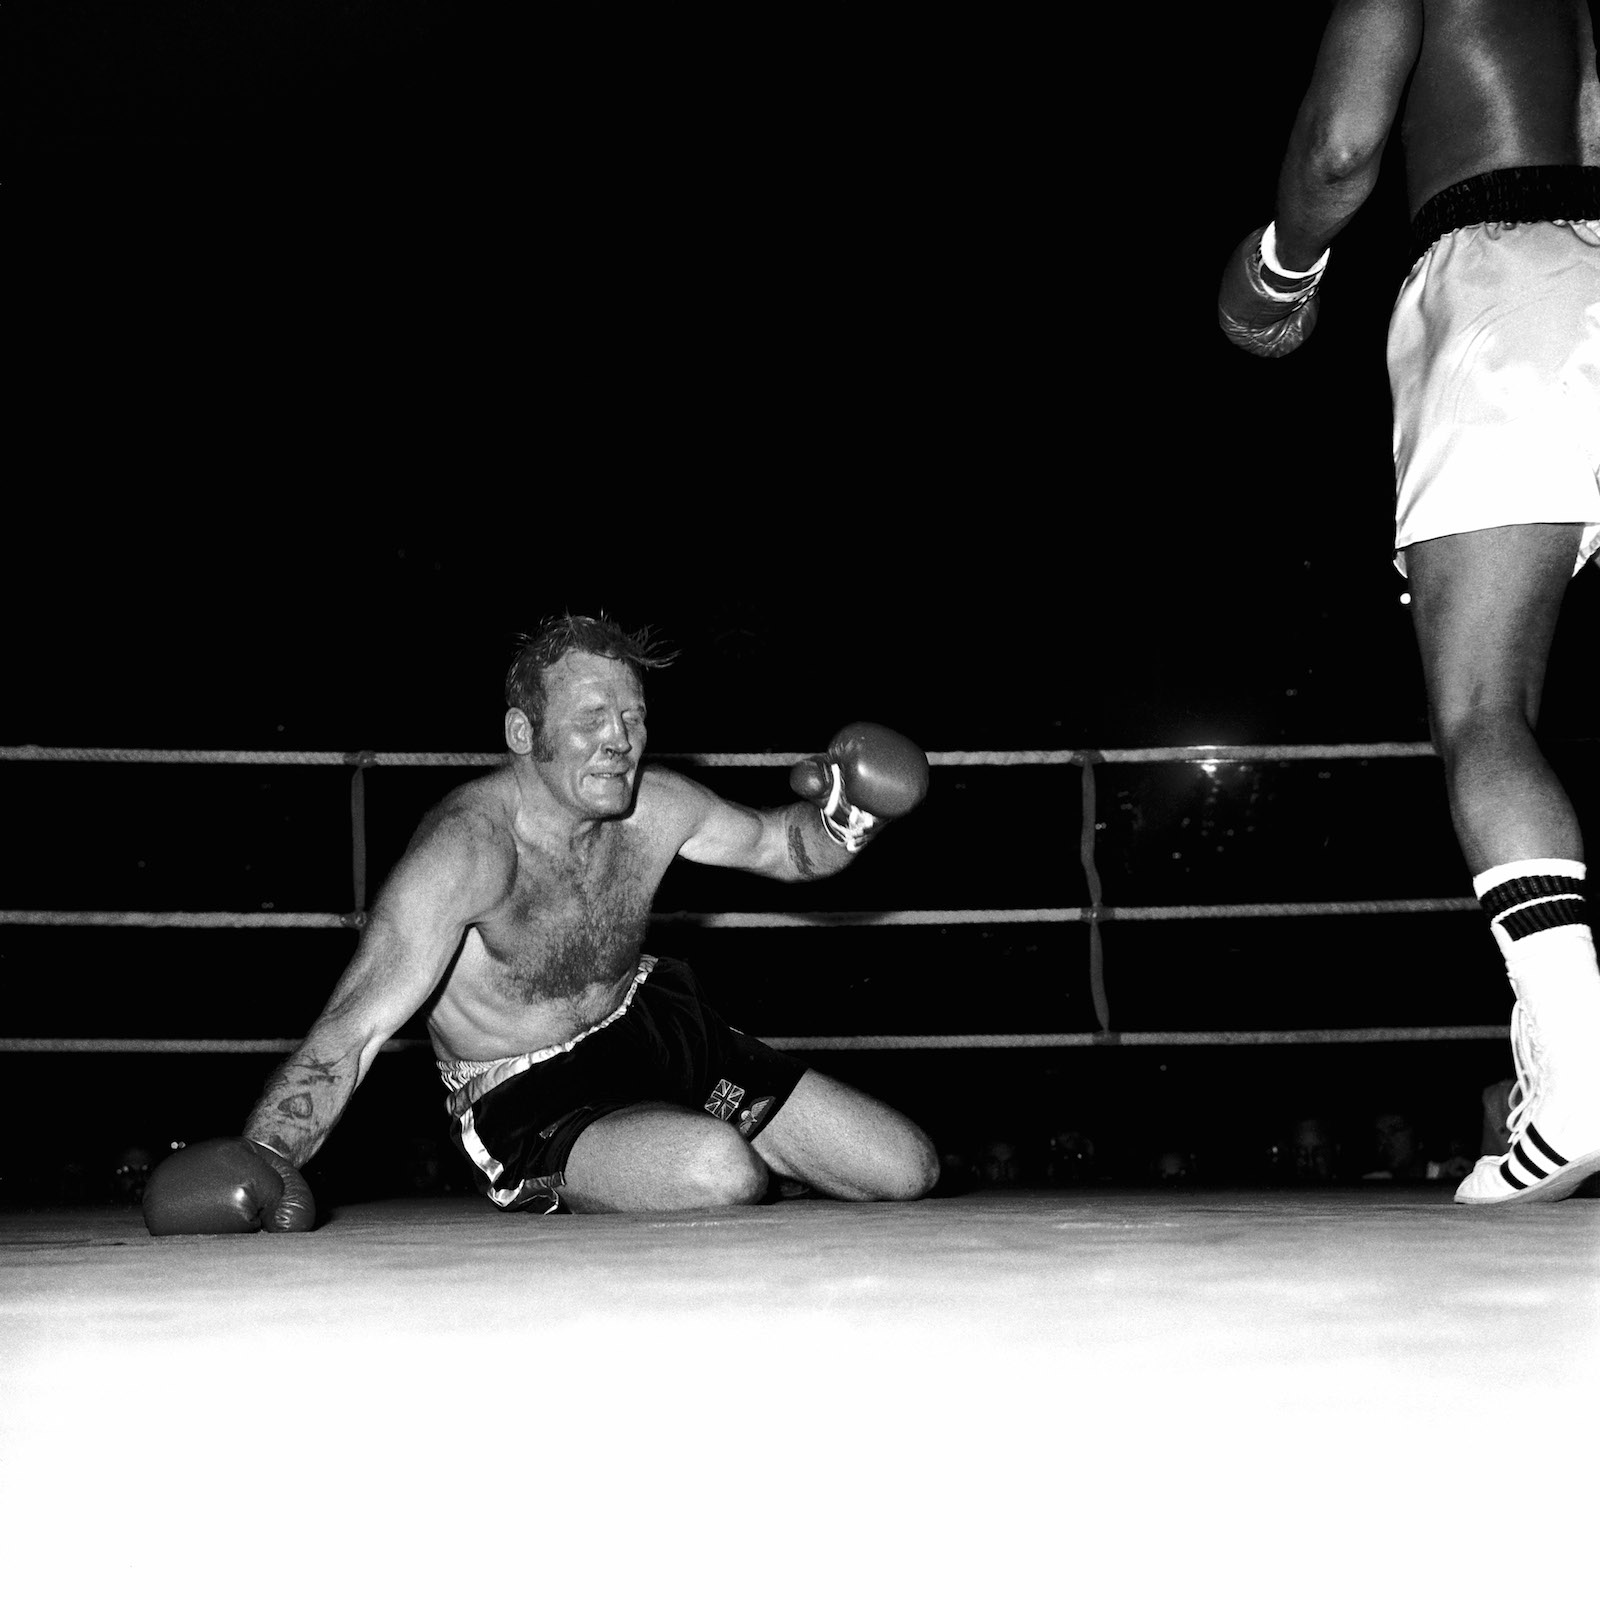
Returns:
(659, 1157)
(1485, 604)
(846, 1144)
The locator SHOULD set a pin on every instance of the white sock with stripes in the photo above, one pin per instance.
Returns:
(1539, 917)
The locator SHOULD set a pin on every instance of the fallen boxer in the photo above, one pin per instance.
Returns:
(582, 1074)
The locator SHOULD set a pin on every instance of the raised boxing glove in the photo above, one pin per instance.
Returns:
(869, 775)
(1255, 308)
(228, 1186)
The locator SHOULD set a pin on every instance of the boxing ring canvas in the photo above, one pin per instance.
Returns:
(1026, 1392)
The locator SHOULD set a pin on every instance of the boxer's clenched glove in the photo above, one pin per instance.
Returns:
(869, 775)
(228, 1186)
(1257, 315)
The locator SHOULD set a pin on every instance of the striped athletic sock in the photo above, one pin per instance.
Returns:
(1540, 920)
(1528, 898)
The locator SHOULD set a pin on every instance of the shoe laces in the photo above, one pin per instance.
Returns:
(1530, 1072)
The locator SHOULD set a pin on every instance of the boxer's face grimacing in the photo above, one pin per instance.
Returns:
(594, 734)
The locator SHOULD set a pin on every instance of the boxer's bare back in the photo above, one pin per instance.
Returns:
(1499, 83)
(1475, 85)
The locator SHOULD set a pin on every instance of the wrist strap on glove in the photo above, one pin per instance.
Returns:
(849, 824)
(1269, 259)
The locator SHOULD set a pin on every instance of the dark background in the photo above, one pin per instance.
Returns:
(875, 363)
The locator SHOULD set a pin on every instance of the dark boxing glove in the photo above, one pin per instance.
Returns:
(228, 1186)
(869, 775)
(1263, 310)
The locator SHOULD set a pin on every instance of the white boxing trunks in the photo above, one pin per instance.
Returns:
(1494, 366)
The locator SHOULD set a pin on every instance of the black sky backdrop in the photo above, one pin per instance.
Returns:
(873, 362)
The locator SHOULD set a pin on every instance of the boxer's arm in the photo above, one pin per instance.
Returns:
(452, 874)
(1367, 52)
(785, 842)
(869, 775)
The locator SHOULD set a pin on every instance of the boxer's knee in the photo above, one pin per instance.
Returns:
(911, 1170)
(724, 1171)
(1460, 719)
(661, 1158)
(847, 1145)
(1480, 739)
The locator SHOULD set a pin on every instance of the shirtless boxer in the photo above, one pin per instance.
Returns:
(582, 1074)
(1494, 364)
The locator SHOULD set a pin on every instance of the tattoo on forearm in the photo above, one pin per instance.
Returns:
(804, 865)
(276, 1079)
(306, 1077)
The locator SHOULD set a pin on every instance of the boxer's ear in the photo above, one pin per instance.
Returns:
(519, 732)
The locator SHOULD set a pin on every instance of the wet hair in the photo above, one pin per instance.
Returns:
(557, 637)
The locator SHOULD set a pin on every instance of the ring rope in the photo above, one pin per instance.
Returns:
(179, 919)
(945, 758)
(1093, 915)
(919, 1041)
(1052, 1041)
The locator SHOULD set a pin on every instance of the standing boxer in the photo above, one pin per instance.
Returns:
(581, 1072)
(1494, 365)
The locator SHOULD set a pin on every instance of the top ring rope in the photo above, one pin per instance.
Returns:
(246, 758)
(945, 758)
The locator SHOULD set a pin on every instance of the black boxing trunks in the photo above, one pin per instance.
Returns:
(516, 1119)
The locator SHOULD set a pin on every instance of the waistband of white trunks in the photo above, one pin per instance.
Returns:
(1508, 194)
(470, 1081)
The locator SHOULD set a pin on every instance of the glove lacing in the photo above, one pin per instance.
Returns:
(852, 831)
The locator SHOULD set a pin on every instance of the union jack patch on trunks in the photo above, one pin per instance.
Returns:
(724, 1099)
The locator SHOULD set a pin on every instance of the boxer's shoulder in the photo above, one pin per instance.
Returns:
(470, 833)
(661, 787)
(482, 811)
(669, 806)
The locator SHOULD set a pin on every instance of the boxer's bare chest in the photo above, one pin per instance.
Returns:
(574, 919)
